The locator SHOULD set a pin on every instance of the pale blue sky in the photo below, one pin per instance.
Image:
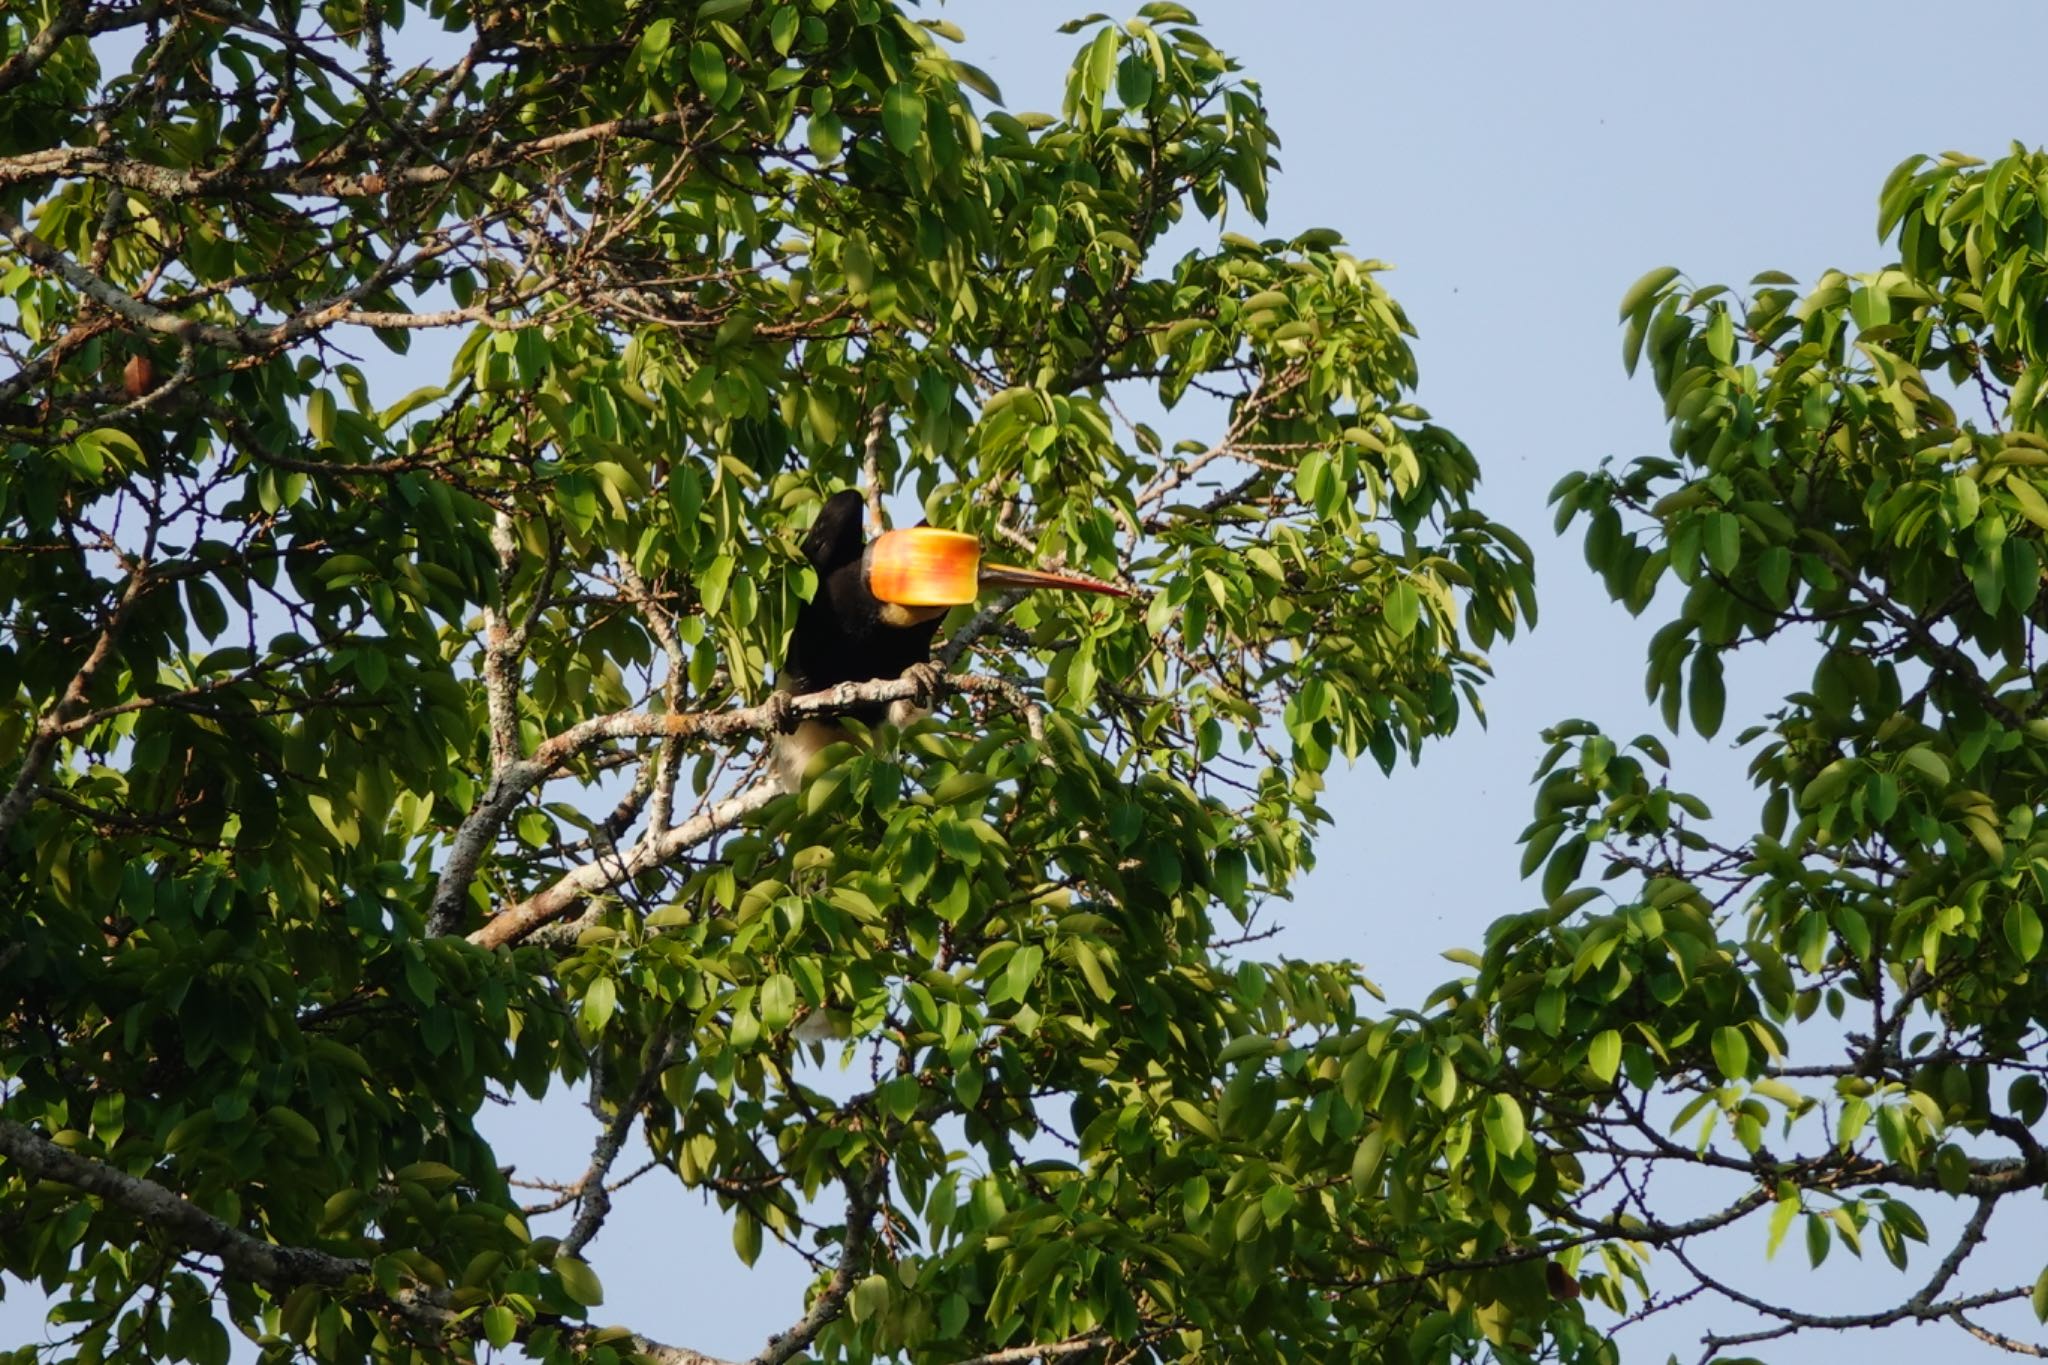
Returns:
(1520, 165)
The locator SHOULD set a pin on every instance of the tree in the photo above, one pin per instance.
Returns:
(1847, 997)
(371, 755)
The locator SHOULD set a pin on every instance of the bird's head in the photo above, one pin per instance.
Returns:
(921, 571)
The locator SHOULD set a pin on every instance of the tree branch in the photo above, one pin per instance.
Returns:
(863, 1202)
(53, 725)
(243, 1256)
(1998, 1339)
(594, 1201)
(1041, 1351)
(657, 846)
(274, 1265)
(297, 182)
(70, 19)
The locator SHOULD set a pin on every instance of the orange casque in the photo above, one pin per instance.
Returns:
(923, 566)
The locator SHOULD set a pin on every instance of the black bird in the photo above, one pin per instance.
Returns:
(876, 610)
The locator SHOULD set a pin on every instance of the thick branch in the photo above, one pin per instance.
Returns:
(657, 846)
(250, 339)
(503, 647)
(641, 1346)
(276, 1266)
(602, 874)
(239, 182)
(244, 1256)
(1016, 1355)
(149, 317)
(70, 19)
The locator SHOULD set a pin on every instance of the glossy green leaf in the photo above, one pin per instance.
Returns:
(903, 115)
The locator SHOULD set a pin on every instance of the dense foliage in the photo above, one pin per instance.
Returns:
(371, 755)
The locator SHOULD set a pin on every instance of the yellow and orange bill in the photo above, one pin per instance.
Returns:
(923, 566)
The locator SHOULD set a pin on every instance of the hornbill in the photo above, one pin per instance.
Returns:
(876, 609)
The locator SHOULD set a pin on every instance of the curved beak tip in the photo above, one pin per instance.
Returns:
(1010, 576)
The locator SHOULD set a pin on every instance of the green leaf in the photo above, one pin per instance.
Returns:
(600, 1000)
(1504, 1125)
(1365, 1161)
(1022, 970)
(1817, 1240)
(2028, 499)
(1134, 81)
(1774, 575)
(1707, 699)
(1731, 1052)
(826, 136)
(579, 1281)
(320, 416)
(209, 613)
(777, 1002)
(2023, 930)
(1403, 609)
(1603, 1054)
(1722, 541)
(1247, 1045)
(1923, 760)
(1091, 971)
(903, 117)
(1963, 500)
(1829, 783)
(1101, 72)
(869, 1297)
(1782, 1214)
(1644, 289)
(707, 69)
(500, 1325)
(899, 1097)
(654, 41)
(1952, 1168)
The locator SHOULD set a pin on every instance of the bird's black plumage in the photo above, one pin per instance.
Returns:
(840, 634)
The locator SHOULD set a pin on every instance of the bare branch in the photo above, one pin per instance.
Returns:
(594, 1200)
(1998, 1339)
(1967, 1241)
